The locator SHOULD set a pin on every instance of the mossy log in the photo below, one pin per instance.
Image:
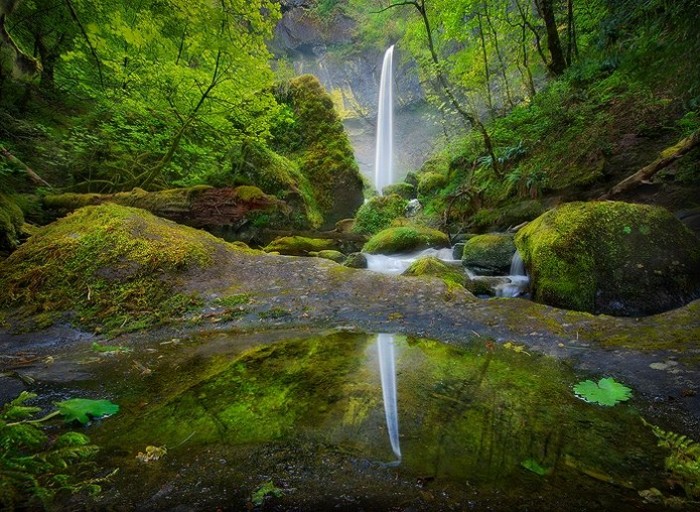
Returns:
(667, 157)
(16, 162)
(199, 206)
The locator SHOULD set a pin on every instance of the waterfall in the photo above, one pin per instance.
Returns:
(519, 281)
(387, 371)
(383, 172)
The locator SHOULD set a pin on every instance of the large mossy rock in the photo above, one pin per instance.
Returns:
(490, 254)
(405, 239)
(378, 213)
(114, 266)
(318, 142)
(434, 267)
(11, 220)
(299, 245)
(611, 257)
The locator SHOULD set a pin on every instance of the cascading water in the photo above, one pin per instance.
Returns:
(397, 263)
(387, 371)
(519, 281)
(383, 163)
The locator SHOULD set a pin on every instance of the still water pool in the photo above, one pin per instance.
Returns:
(298, 421)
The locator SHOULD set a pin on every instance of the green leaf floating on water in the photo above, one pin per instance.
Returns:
(82, 409)
(606, 392)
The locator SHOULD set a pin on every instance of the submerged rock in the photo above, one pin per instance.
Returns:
(611, 257)
(405, 239)
(299, 245)
(489, 254)
(486, 285)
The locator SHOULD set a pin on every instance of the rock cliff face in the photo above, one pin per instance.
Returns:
(352, 79)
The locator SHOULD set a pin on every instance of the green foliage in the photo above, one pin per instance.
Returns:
(35, 468)
(378, 213)
(83, 409)
(684, 460)
(535, 467)
(607, 391)
(268, 489)
(11, 220)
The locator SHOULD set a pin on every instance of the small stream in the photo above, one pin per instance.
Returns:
(305, 414)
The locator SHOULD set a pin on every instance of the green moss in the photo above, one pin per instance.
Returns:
(317, 141)
(489, 254)
(508, 215)
(405, 190)
(299, 245)
(430, 182)
(116, 267)
(330, 254)
(378, 213)
(404, 239)
(611, 257)
(431, 266)
(70, 202)
(250, 193)
(11, 220)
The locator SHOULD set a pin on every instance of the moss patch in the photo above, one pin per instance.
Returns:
(489, 254)
(378, 213)
(11, 220)
(116, 267)
(611, 257)
(404, 239)
(299, 245)
(432, 266)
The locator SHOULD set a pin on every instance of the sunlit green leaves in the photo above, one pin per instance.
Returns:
(606, 391)
(82, 409)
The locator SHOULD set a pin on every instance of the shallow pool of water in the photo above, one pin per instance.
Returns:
(289, 421)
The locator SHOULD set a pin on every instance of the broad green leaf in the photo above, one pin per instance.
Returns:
(535, 467)
(82, 409)
(606, 392)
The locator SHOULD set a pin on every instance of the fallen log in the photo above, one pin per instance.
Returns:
(199, 206)
(33, 176)
(667, 157)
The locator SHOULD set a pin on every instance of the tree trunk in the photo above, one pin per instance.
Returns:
(667, 157)
(487, 72)
(558, 62)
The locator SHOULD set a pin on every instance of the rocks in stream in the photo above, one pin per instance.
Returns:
(611, 257)
(300, 245)
(489, 255)
(405, 239)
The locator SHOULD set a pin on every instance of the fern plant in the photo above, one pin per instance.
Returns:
(683, 461)
(35, 467)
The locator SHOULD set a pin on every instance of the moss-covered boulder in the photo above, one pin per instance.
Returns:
(11, 220)
(430, 182)
(114, 266)
(507, 215)
(299, 245)
(611, 257)
(378, 213)
(432, 266)
(281, 177)
(489, 254)
(329, 254)
(317, 141)
(356, 260)
(405, 239)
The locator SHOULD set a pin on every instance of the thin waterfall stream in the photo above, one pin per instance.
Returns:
(383, 164)
(387, 371)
